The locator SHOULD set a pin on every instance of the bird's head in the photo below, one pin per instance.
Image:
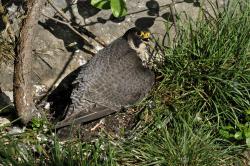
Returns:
(138, 40)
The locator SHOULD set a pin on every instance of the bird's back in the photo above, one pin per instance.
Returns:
(115, 77)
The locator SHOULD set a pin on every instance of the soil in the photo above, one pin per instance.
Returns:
(116, 125)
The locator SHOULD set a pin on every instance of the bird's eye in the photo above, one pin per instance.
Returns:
(139, 33)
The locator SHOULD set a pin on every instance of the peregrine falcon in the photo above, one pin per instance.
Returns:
(117, 76)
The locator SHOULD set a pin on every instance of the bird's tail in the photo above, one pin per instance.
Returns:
(68, 127)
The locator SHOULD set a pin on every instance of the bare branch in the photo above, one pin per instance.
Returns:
(59, 11)
(68, 23)
(22, 85)
(172, 10)
(70, 27)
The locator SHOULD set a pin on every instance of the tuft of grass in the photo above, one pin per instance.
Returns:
(7, 53)
(178, 140)
(205, 86)
(29, 149)
(208, 70)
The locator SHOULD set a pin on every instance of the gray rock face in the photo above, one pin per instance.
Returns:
(58, 51)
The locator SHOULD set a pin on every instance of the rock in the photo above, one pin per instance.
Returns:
(6, 99)
(58, 51)
(16, 130)
(4, 121)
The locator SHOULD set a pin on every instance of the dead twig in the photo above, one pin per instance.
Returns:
(96, 39)
(68, 23)
(59, 11)
(172, 10)
(70, 27)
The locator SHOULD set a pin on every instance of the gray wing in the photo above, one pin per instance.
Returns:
(114, 78)
(91, 112)
(68, 126)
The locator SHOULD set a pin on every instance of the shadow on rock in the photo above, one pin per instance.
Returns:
(62, 32)
(196, 3)
(116, 19)
(144, 22)
(168, 16)
(153, 8)
(81, 10)
(104, 21)
(6, 105)
(7, 110)
(60, 97)
(85, 9)
(189, 1)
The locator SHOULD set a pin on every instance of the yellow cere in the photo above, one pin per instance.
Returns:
(145, 35)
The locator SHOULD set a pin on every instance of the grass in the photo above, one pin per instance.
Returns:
(6, 51)
(205, 86)
(179, 141)
(208, 71)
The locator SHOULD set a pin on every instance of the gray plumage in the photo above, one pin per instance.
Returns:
(114, 78)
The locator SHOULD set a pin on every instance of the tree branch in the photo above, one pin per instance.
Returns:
(22, 85)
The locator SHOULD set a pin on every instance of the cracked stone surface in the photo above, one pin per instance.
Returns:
(58, 51)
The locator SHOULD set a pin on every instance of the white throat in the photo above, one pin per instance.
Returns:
(141, 51)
